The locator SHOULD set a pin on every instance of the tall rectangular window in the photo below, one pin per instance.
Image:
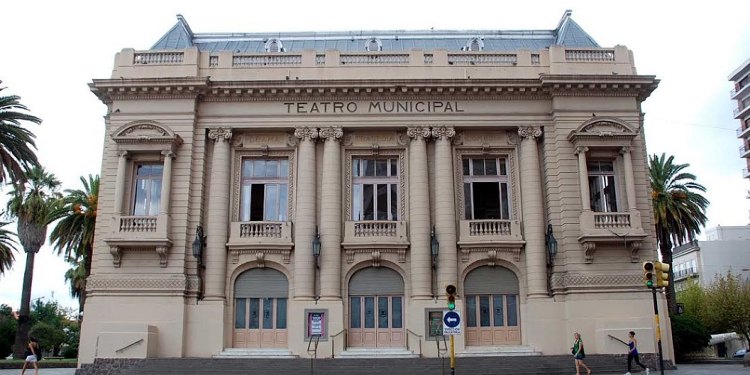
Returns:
(147, 197)
(486, 189)
(602, 186)
(375, 189)
(264, 190)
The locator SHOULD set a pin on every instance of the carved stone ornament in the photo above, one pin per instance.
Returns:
(493, 254)
(376, 255)
(331, 133)
(260, 257)
(418, 132)
(625, 150)
(443, 133)
(588, 251)
(116, 255)
(530, 132)
(375, 258)
(162, 251)
(220, 134)
(581, 150)
(306, 133)
(634, 247)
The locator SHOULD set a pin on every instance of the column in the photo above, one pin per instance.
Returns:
(419, 214)
(217, 218)
(533, 212)
(445, 207)
(304, 226)
(166, 182)
(629, 178)
(583, 178)
(122, 163)
(330, 215)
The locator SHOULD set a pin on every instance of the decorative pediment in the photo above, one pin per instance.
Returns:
(603, 132)
(146, 135)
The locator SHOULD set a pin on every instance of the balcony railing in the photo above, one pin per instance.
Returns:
(375, 229)
(592, 55)
(367, 59)
(487, 231)
(375, 232)
(261, 60)
(260, 233)
(482, 59)
(743, 150)
(745, 173)
(139, 229)
(611, 220)
(159, 58)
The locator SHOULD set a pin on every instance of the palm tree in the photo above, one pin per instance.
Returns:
(74, 234)
(679, 210)
(17, 147)
(33, 205)
(7, 247)
(76, 277)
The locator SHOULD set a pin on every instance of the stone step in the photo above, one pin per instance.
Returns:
(256, 353)
(376, 353)
(498, 351)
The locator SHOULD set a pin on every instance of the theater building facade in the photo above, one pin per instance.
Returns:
(261, 191)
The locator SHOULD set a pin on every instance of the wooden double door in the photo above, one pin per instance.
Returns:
(376, 321)
(260, 309)
(492, 314)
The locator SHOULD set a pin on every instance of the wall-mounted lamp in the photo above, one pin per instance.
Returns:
(199, 244)
(551, 243)
(316, 247)
(434, 247)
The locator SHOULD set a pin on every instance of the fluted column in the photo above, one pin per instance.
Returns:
(217, 218)
(330, 215)
(419, 214)
(445, 207)
(629, 178)
(304, 230)
(583, 178)
(533, 212)
(122, 163)
(166, 182)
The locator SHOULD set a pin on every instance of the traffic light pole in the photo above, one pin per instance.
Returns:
(658, 331)
(453, 357)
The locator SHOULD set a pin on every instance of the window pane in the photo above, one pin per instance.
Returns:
(369, 312)
(396, 317)
(466, 167)
(356, 168)
(394, 167)
(140, 204)
(357, 202)
(155, 201)
(267, 313)
(254, 313)
(240, 309)
(382, 203)
(271, 204)
(381, 167)
(484, 311)
(256, 202)
(468, 212)
(503, 168)
(471, 311)
(247, 168)
(611, 193)
(245, 203)
(283, 201)
(281, 313)
(368, 202)
(284, 168)
(490, 167)
(512, 310)
(478, 167)
(504, 201)
(497, 307)
(259, 168)
(486, 200)
(606, 166)
(368, 167)
(355, 313)
(382, 312)
(272, 168)
(394, 202)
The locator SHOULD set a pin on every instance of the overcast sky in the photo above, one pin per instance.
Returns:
(51, 50)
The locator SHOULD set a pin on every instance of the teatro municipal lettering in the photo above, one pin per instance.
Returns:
(417, 106)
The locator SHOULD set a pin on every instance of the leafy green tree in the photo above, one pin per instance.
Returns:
(7, 247)
(7, 330)
(689, 334)
(17, 147)
(48, 323)
(728, 305)
(73, 235)
(679, 210)
(72, 340)
(33, 204)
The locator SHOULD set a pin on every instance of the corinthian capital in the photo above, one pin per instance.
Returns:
(530, 132)
(306, 133)
(331, 133)
(418, 132)
(220, 134)
(443, 132)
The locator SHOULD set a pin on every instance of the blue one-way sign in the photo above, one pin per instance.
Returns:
(451, 323)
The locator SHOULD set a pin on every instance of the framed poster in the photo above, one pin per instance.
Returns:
(316, 323)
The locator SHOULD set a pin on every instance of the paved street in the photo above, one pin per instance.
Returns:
(702, 369)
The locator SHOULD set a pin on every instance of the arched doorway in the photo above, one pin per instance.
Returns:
(260, 309)
(376, 309)
(492, 313)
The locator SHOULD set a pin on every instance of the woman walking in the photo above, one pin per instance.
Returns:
(633, 353)
(32, 354)
(579, 354)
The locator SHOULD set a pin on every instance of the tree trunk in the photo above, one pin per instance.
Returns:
(24, 324)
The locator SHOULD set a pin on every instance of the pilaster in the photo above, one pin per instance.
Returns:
(419, 213)
(304, 280)
(330, 215)
(533, 212)
(217, 218)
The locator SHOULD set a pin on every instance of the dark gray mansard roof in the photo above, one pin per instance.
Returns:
(567, 33)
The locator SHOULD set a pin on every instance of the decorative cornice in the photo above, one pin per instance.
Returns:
(582, 281)
(306, 133)
(530, 132)
(331, 133)
(443, 132)
(220, 134)
(108, 90)
(639, 86)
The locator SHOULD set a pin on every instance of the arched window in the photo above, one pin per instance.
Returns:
(475, 44)
(274, 45)
(373, 45)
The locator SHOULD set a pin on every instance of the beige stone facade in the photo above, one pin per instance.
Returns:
(375, 156)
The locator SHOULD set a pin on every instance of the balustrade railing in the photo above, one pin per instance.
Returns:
(375, 229)
(374, 59)
(261, 229)
(611, 220)
(163, 58)
(590, 55)
(261, 60)
(743, 150)
(138, 224)
(482, 59)
(490, 228)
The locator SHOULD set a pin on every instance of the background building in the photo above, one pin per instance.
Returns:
(740, 77)
(725, 249)
(259, 189)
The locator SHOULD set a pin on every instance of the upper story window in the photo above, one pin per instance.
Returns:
(475, 44)
(373, 45)
(264, 190)
(486, 189)
(274, 45)
(602, 186)
(147, 197)
(375, 189)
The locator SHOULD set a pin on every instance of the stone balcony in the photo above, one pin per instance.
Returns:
(611, 227)
(261, 238)
(139, 232)
(375, 237)
(491, 237)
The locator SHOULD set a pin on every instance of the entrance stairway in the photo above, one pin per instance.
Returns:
(376, 353)
(547, 365)
(256, 353)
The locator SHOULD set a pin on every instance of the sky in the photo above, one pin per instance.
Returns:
(51, 50)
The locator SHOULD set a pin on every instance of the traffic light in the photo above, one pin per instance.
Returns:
(451, 291)
(661, 271)
(648, 273)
